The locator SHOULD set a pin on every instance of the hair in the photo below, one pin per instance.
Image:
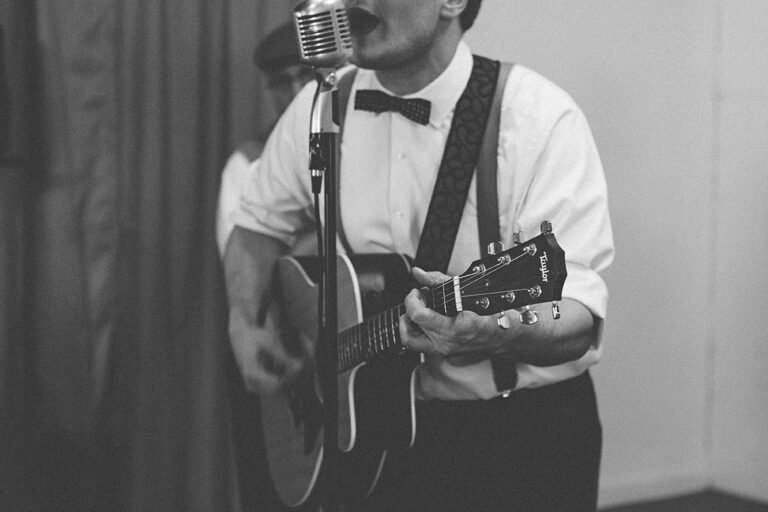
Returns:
(467, 17)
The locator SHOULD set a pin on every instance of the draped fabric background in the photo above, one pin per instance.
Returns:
(131, 401)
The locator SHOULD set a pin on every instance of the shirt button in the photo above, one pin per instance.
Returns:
(401, 156)
(398, 215)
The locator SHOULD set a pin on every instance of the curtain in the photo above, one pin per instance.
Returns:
(132, 399)
(17, 110)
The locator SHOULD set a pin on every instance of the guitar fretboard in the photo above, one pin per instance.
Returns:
(376, 335)
(380, 333)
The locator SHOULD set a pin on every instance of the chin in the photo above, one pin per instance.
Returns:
(368, 53)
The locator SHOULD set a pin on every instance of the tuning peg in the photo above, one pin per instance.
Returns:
(495, 248)
(546, 227)
(502, 321)
(528, 316)
(555, 310)
(517, 238)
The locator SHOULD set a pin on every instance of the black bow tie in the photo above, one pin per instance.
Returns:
(415, 109)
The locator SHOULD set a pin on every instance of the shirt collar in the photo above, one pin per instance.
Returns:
(444, 91)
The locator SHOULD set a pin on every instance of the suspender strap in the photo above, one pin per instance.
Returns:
(462, 150)
(504, 367)
(487, 193)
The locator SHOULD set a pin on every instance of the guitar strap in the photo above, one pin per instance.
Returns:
(460, 158)
(488, 210)
(472, 142)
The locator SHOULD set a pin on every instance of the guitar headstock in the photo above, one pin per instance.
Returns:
(529, 273)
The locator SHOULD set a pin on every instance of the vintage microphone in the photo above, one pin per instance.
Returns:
(325, 44)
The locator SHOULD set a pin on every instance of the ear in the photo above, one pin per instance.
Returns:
(451, 9)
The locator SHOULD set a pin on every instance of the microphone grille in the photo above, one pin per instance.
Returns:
(325, 39)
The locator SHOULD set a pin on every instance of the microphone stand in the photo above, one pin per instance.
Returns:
(324, 165)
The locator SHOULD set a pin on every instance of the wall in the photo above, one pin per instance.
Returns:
(740, 326)
(676, 99)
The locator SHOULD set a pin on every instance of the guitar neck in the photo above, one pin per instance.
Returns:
(531, 272)
(377, 335)
(380, 333)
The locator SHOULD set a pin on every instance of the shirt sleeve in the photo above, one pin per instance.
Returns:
(567, 187)
(233, 179)
(565, 184)
(549, 169)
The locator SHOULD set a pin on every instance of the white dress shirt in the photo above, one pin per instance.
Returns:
(234, 178)
(548, 169)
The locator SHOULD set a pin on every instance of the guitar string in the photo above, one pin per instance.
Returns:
(482, 275)
(380, 331)
(493, 269)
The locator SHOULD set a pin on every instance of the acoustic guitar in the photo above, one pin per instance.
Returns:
(376, 374)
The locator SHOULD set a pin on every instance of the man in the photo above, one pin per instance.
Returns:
(539, 448)
(277, 56)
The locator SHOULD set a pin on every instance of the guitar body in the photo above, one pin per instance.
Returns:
(375, 373)
(376, 399)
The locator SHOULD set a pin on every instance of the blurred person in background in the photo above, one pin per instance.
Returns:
(277, 56)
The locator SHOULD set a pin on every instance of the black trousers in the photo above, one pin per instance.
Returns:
(537, 450)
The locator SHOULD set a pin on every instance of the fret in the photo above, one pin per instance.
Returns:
(352, 343)
(356, 343)
(392, 325)
(359, 341)
(372, 336)
(384, 330)
(395, 322)
(341, 357)
(347, 347)
(380, 333)
(396, 325)
(385, 321)
(370, 340)
(375, 337)
(345, 350)
(362, 342)
(386, 327)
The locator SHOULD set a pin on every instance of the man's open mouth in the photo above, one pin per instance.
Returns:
(361, 21)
